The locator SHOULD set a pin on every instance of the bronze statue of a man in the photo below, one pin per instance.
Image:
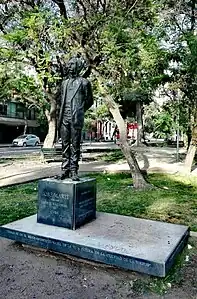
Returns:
(75, 99)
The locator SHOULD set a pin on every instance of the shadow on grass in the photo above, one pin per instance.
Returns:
(17, 202)
(114, 156)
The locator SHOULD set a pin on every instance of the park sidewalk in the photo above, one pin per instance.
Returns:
(18, 173)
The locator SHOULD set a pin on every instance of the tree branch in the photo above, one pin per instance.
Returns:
(62, 8)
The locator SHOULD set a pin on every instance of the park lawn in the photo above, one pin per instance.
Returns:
(174, 200)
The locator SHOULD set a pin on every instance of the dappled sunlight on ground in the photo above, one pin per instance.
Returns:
(161, 208)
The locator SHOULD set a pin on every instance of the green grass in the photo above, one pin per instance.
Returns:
(175, 199)
(114, 156)
(17, 202)
(179, 276)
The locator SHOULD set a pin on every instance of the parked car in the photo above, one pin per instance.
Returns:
(26, 140)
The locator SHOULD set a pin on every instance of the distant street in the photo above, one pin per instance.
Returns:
(18, 151)
(8, 151)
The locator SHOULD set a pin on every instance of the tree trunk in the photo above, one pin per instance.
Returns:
(139, 181)
(140, 127)
(25, 127)
(189, 128)
(192, 148)
(71, 8)
(51, 118)
(189, 137)
(139, 122)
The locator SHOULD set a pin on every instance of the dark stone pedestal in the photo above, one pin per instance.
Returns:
(66, 203)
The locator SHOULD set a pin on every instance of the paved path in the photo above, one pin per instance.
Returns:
(16, 173)
(26, 273)
(37, 171)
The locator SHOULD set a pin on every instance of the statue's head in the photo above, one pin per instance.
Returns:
(74, 66)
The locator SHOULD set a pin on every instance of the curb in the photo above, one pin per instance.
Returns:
(24, 181)
(5, 145)
(193, 234)
(10, 145)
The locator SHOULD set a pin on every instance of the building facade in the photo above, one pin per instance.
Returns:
(14, 118)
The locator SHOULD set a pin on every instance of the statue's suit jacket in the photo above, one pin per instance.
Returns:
(81, 100)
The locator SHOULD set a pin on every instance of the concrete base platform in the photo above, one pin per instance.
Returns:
(131, 243)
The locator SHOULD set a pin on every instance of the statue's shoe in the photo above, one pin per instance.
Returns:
(74, 176)
(63, 176)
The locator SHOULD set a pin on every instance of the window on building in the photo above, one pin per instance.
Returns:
(32, 114)
(3, 109)
(12, 109)
(20, 111)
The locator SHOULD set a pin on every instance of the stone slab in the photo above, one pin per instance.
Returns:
(66, 203)
(127, 242)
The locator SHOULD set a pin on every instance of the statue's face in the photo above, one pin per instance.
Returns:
(72, 67)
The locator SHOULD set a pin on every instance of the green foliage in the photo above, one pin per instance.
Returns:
(93, 115)
(159, 120)
(131, 67)
(163, 125)
(121, 47)
(90, 120)
(179, 33)
(28, 68)
(102, 112)
(176, 30)
(19, 86)
(123, 43)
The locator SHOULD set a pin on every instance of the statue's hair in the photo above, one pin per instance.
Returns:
(79, 61)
